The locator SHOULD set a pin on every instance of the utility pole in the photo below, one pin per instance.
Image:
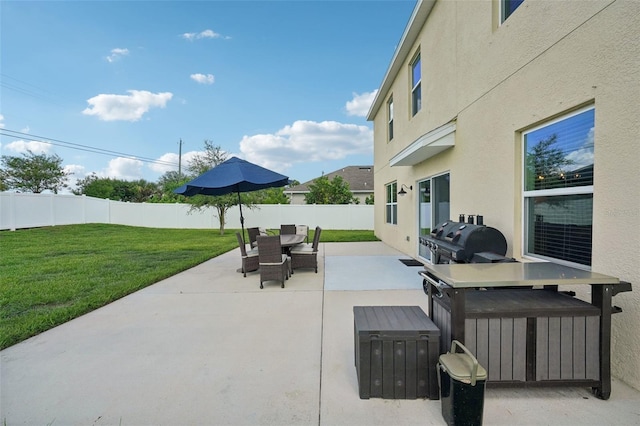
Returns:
(180, 159)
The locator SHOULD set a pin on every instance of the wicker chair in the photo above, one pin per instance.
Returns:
(274, 266)
(305, 255)
(250, 260)
(287, 229)
(303, 230)
(253, 233)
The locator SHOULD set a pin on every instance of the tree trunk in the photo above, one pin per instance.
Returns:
(221, 214)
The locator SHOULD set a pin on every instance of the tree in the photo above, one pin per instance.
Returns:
(167, 183)
(545, 165)
(3, 185)
(138, 191)
(34, 173)
(369, 201)
(268, 196)
(93, 186)
(336, 191)
(142, 191)
(212, 156)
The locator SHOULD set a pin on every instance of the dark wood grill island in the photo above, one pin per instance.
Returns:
(520, 327)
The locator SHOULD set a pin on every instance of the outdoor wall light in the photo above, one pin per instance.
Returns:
(402, 189)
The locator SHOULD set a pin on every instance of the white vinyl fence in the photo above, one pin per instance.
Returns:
(20, 210)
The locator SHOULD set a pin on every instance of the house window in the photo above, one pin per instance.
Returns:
(507, 7)
(558, 188)
(416, 91)
(392, 203)
(390, 115)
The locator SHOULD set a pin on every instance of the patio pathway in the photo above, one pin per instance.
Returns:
(208, 347)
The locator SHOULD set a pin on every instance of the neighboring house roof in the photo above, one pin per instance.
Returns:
(359, 178)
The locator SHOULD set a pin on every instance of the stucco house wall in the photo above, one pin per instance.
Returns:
(492, 82)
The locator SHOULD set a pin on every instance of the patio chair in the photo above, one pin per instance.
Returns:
(303, 230)
(305, 255)
(287, 229)
(250, 260)
(253, 233)
(274, 266)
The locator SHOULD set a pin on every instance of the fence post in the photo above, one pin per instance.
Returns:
(84, 208)
(52, 209)
(12, 210)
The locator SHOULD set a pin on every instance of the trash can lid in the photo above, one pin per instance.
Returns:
(460, 367)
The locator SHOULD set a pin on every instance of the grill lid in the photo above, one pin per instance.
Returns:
(461, 241)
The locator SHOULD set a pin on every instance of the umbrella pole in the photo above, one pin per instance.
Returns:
(241, 218)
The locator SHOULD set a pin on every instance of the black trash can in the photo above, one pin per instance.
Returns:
(462, 384)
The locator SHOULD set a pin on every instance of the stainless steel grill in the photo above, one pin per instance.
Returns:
(466, 242)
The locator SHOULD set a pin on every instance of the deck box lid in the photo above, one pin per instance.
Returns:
(393, 321)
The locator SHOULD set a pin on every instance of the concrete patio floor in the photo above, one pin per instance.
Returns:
(208, 347)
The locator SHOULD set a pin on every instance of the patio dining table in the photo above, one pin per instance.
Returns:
(286, 241)
(289, 240)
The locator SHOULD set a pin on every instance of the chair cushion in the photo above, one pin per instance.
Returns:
(302, 250)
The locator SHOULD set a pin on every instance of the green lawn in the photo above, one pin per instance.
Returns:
(51, 275)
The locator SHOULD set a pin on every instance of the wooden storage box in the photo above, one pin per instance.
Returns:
(529, 336)
(396, 352)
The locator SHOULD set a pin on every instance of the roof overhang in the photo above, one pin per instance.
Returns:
(426, 146)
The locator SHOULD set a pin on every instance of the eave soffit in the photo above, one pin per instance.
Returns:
(426, 146)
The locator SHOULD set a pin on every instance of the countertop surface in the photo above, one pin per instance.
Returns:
(467, 275)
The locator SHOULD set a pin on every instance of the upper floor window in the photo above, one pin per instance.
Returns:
(416, 91)
(390, 117)
(558, 188)
(507, 7)
(391, 215)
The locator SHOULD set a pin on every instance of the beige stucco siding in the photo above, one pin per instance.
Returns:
(549, 58)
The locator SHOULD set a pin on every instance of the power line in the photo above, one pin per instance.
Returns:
(80, 147)
(26, 89)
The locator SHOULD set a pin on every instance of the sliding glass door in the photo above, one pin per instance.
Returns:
(433, 208)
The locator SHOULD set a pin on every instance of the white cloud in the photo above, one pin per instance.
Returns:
(203, 34)
(584, 156)
(580, 158)
(299, 143)
(360, 104)
(123, 168)
(1, 121)
(117, 53)
(162, 167)
(173, 159)
(21, 146)
(132, 107)
(78, 170)
(203, 78)
(306, 141)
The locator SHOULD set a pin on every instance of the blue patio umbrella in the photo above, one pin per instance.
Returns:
(233, 175)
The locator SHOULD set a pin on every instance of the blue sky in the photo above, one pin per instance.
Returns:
(284, 84)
